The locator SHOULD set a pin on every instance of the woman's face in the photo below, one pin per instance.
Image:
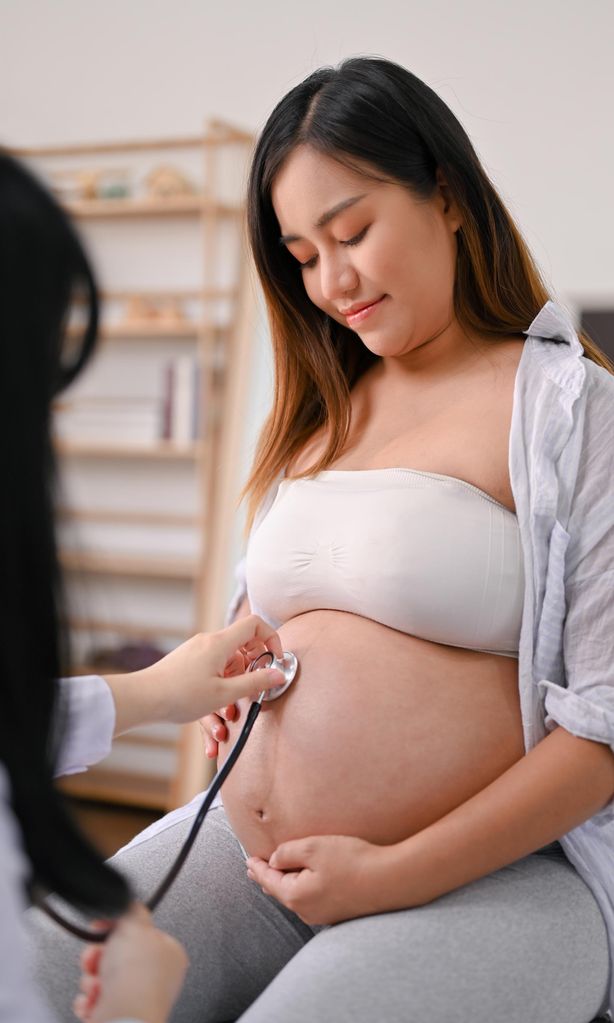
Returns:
(383, 246)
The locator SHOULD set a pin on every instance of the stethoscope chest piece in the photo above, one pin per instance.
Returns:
(288, 665)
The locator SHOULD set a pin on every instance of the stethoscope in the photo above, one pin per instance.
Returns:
(288, 665)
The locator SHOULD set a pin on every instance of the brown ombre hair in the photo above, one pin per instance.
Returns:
(370, 111)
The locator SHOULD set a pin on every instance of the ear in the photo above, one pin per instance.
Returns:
(449, 206)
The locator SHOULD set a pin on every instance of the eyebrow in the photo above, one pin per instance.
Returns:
(324, 219)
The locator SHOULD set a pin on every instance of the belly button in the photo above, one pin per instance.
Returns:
(261, 814)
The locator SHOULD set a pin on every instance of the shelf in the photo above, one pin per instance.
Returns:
(180, 205)
(117, 787)
(128, 629)
(219, 132)
(163, 450)
(135, 738)
(114, 294)
(116, 564)
(144, 331)
(118, 517)
(130, 331)
(153, 331)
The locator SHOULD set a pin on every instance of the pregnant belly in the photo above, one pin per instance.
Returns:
(380, 735)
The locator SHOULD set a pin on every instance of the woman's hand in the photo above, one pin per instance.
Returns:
(214, 729)
(137, 973)
(324, 878)
(206, 672)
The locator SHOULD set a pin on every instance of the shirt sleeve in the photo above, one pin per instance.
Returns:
(584, 705)
(88, 718)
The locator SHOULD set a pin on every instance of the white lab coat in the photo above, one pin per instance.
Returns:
(89, 730)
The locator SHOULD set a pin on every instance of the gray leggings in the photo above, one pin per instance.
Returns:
(526, 944)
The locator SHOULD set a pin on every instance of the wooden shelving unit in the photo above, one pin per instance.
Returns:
(222, 347)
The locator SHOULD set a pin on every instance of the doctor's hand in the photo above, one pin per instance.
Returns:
(207, 671)
(137, 973)
(324, 878)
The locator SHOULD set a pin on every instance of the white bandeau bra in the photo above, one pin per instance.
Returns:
(429, 555)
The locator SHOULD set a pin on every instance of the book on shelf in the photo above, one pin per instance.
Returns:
(93, 420)
(182, 400)
(174, 415)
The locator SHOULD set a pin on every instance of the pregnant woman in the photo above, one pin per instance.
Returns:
(431, 532)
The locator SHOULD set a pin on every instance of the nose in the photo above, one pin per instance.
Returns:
(337, 276)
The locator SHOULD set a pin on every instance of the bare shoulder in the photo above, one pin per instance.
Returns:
(308, 454)
(506, 352)
(501, 359)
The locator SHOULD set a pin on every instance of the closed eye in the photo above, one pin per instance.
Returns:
(350, 241)
(357, 237)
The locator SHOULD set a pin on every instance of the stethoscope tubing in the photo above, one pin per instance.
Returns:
(154, 901)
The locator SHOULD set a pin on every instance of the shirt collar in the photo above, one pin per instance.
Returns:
(562, 363)
(553, 323)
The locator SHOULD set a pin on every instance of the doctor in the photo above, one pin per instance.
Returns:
(49, 727)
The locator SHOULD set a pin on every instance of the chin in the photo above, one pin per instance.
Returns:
(384, 347)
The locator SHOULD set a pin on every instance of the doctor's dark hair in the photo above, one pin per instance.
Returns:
(43, 268)
(369, 112)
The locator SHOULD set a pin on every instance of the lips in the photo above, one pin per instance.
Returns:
(363, 313)
(353, 309)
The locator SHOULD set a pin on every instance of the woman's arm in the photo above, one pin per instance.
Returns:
(558, 785)
(205, 672)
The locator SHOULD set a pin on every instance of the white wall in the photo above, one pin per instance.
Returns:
(532, 82)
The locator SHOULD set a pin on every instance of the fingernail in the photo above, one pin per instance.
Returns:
(276, 676)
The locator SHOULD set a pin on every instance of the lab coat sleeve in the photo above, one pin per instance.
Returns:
(87, 713)
(584, 705)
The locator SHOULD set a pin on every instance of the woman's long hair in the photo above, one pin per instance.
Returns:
(371, 110)
(43, 268)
